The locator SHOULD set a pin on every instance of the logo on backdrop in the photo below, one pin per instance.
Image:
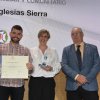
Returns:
(3, 36)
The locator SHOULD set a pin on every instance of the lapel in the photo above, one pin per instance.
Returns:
(85, 53)
(74, 54)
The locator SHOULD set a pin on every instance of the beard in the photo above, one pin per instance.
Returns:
(15, 40)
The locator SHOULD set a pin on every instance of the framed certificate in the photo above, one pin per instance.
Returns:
(14, 67)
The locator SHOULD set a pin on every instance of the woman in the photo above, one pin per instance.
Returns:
(46, 66)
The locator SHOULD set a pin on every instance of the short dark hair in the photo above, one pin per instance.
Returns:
(42, 31)
(18, 27)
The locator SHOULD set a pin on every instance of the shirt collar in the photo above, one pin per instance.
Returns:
(15, 45)
(81, 45)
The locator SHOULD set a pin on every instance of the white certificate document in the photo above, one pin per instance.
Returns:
(14, 67)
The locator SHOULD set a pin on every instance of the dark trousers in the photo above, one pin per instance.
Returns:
(15, 93)
(41, 88)
(81, 94)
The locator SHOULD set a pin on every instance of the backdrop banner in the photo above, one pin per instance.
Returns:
(57, 16)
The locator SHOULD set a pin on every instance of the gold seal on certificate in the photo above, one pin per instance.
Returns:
(14, 67)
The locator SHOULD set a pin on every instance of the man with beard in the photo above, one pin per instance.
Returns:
(13, 87)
